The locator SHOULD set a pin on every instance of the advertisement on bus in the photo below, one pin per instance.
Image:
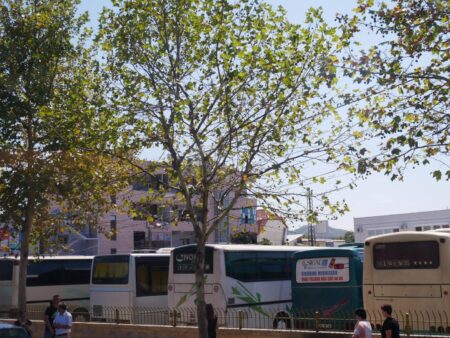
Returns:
(323, 270)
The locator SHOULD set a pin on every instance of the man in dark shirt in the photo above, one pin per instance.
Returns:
(390, 327)
(50, 314)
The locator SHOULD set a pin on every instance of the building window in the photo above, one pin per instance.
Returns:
(113, 224)
(436, 227)
(396, 230)
(113, 251)
(155, 182)
(139, 240)
(248, 215)
(418, 228)
(426, 227)
(185, 241)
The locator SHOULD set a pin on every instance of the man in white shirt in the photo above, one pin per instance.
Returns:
(62, 322)
(363, 329)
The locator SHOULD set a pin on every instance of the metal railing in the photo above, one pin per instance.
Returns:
(411, 322)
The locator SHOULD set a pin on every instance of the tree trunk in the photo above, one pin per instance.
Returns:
(24, 248)
(27, 223)
(200, 287)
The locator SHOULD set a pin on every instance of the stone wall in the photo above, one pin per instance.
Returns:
(109, 330)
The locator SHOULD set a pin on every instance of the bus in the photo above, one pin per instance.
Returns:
(410, 271)
(132, 286)
(250, 282)
(67, 276)
(327, 282)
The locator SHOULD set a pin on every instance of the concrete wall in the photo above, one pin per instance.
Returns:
(101, 330)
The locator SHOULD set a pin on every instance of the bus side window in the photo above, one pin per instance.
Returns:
(151, 276)
(6, 270)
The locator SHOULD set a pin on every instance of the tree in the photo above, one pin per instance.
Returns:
(349, 237)
(236, 99)
(405, 80)
(49, 102)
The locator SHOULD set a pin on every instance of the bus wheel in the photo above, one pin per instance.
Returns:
(80, 315)
(282, 321)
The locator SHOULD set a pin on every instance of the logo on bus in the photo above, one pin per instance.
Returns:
(314, 263)
(185, 258)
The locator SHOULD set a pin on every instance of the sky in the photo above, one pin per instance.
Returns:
(376, 195)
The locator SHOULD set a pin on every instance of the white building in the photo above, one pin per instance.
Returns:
(270, 227)
(415, 221)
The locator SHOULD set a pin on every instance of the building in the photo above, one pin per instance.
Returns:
(415, 221)
(271, 228)
(143, 221)
(167, 226)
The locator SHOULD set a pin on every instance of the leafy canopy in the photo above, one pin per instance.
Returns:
(405, 81)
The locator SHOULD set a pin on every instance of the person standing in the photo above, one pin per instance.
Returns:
(24, 322)
(49, 316)
(62, 322)
(363, 329)
(212, 321)
(390, 328)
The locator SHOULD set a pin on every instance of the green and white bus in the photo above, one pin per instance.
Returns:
(250, 283)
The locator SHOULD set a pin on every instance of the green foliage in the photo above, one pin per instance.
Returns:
(52, 127)
(244, 237)
(236, 97)
(405, 81)
(349, 237)
(227, 89)
(265, 241)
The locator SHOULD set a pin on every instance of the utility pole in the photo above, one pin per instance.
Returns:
(311, 228)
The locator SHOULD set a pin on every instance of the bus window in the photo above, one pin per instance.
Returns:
(242, 265)
(77, 271)
(406, 255)
(45, 272)
(252, 266)
(151, 276)
(110, 269)
(6, 270)
(273, 266)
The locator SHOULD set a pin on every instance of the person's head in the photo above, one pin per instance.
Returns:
(62, 307)
(55, 300)
(361, 314)
(386, 309)
(209, 311)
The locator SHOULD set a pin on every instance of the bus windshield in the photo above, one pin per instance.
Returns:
(111, 269)
(406, 255)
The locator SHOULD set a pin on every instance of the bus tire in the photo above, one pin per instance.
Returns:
(81, 315)
(282, 321)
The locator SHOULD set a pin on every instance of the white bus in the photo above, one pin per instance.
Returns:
(67, 276)
(410, 271)
(130, 286)
(250, 281)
